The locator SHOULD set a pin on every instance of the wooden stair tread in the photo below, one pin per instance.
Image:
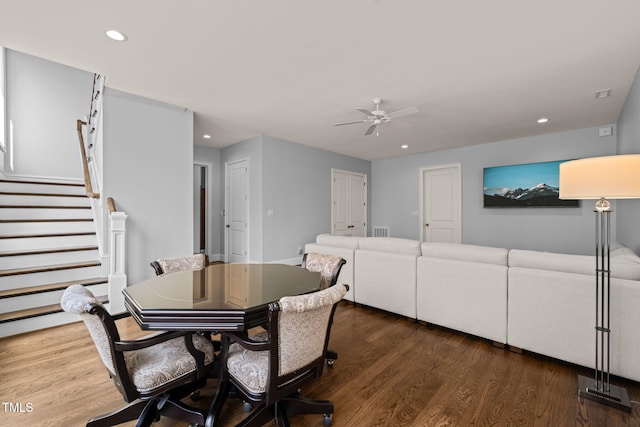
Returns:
(51, 287)
(38, 311)
(21, 193)
(19, 181)
(48, 251)
(57, 267)
(24, 236)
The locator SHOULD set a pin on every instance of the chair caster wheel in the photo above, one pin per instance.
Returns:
(326, 420)
(195, 396)
(330, 362)
(246, 406)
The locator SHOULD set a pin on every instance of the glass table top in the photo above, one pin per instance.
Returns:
(221, 287)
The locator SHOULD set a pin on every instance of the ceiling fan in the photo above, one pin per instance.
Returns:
(378, 117)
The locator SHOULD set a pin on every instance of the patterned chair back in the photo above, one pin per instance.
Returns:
(172, 265)
(79, 300)
(303, 327)
(327, 265)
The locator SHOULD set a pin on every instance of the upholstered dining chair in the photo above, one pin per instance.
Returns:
(329, 267)
(153, 373)
(270, 373)
(171, 265)
(164, 266)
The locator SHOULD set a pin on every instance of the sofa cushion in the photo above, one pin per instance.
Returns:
(463, 252)
(348, 242)
(624, 264)
(391, 244)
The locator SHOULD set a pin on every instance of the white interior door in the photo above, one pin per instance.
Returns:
(340, 203)
(349, 203)
(358, 204)
(236, 212)
(440, 204)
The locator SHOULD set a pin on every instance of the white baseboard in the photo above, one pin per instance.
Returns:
(216, 257)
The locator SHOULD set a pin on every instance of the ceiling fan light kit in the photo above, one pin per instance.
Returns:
(378, 117)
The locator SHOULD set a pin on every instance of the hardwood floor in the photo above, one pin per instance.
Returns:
(390, 372)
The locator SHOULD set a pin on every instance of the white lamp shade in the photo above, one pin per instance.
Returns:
(611, 177)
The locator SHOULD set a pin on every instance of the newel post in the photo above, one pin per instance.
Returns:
(117, 260)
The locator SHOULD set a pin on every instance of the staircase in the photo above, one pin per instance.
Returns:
(47, 242)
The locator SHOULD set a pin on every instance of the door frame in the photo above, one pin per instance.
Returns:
(421, 213)
(209, 206)
(246, 208)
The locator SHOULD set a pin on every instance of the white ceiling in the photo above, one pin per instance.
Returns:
(479, 71)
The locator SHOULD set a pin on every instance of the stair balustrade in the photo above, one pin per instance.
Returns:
(111, 246)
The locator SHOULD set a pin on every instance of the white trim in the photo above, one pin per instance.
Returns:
(458, 166)
(288, 261)
(216, 257)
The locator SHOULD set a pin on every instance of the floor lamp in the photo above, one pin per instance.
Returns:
(602, 178)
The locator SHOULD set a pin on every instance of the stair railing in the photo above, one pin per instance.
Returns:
(85, 162)
(111, 236)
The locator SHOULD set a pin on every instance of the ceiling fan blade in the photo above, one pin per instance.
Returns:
(371, 129)
(350, 123)
(365, 112)
(403, 112)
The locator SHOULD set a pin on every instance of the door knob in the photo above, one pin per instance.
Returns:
(426, 225)
(227, 225)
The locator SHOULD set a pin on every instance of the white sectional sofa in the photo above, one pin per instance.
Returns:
(388, 268)
(464, 287)
(536, 301)
(552, 307)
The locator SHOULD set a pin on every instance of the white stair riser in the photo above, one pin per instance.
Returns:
(36, 323)
(35, 279)
(32, 243)
(21, 228)
(42, 299)
(44, 213)
(41, 188)
(41, 260)
(9, 199)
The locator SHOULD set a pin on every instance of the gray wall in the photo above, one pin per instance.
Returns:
(295, 181)
(211, 157)
(44, 100)
(628, 211)
(395, 187)
(296, 184)
(148, 170)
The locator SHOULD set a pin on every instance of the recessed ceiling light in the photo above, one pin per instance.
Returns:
(116, 35)
(404, 147)
(206, 136)
(543, 120)
(603, 93)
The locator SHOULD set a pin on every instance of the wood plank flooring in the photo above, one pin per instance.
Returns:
(390, 372)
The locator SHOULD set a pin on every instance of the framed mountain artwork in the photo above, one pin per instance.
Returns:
(523, 186)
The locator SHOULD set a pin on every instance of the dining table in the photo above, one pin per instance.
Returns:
(218, 298)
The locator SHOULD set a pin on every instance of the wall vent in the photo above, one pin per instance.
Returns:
(380, 231)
